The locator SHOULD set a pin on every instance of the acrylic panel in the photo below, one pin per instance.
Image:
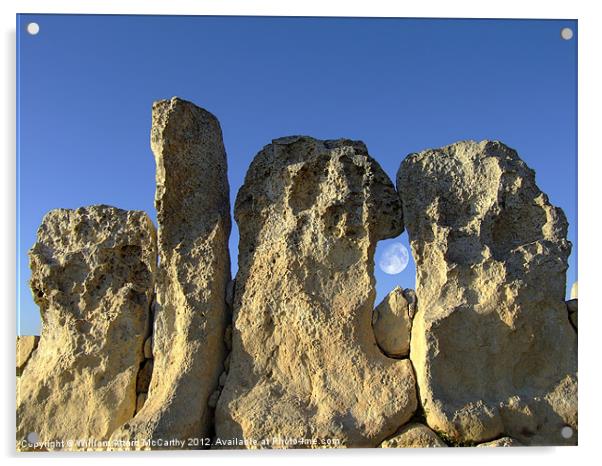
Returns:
(286, 232)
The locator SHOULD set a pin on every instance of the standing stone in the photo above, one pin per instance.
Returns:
(492, 346)
(414, 435)
(304, 361)
(26, 345)
(392, 323)
(193, 211)
(92, 274)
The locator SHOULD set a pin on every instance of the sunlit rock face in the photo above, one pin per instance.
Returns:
(193, 212)
(414, 435)
(26, 345)
(304, 361)
(92, 274)
(392, 322)
(147, 343)
(492, 345)
(501, 442)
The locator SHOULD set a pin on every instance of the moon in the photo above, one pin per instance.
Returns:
(394, 259)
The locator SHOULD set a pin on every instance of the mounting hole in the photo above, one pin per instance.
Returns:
(33, 438)
(566, 432)
(33, 28)
(566, 33)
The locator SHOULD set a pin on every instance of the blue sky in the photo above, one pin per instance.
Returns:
(86, 85)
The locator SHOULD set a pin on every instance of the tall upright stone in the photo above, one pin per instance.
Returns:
(491, 344)
(193, 211)
(305, 364)
(92, 274)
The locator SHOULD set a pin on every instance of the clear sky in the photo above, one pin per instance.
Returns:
(86, 85)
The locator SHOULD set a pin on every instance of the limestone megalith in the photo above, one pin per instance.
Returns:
(92, 274)
(193, 212)
(491, 344)
(304, 361)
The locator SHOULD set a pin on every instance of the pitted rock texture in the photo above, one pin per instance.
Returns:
(501, 442)
(392, 322)
(92, 274)
(304, 360)
(492, 347)
(414, 435)
(26, 345)
(193, 211)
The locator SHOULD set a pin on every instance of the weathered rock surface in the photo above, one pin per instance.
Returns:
(192, 201)
(501, 442)
(572, 307)
(140, 400)
(573, 318)
(304, 361)
(148, 348)
(492, 347)
(92, 274)
(414, 435)
(392, 323)
(26, 345)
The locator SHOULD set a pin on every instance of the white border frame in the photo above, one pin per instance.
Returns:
(590, 38)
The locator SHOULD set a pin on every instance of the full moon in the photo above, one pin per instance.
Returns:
(394, 259)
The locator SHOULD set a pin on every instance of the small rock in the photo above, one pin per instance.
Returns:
(148, 348)
(392, 325)
(502, 442)
(414, 435)
(140, 400)
(144, 376)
